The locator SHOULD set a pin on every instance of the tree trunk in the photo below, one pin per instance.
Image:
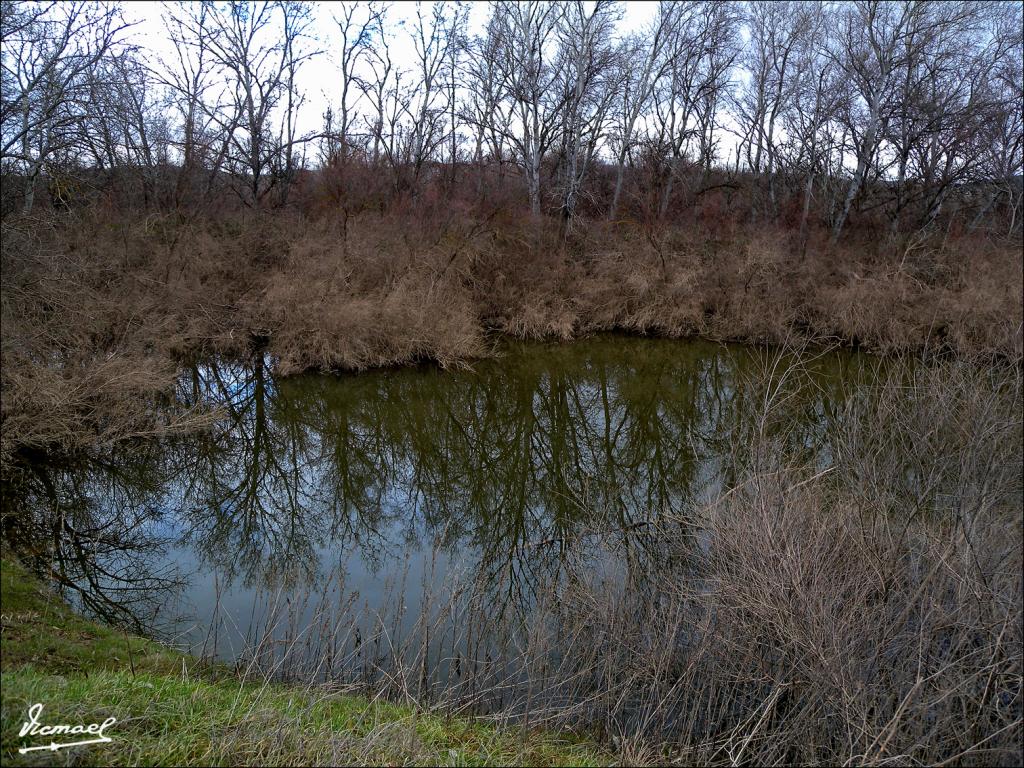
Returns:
(863, 161)
(30, 191)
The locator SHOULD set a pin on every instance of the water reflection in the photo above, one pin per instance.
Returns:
(98, 532)
(503, 467)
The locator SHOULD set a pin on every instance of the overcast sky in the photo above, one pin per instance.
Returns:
(319, 76)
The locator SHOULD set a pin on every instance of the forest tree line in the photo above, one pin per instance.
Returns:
(805, 114)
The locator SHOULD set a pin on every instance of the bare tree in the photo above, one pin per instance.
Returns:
(385, 91)
(203, 134)
(487, 106)
(433, 39)
(637, 85)
(356, 23)
(697, 73)
(588, 79)
(807, 118)
(777, 29)
(261, 60)
(999, 135)
(525, 48)
(906, 109)
(869, 46)
(295, 19)
(456, 47)
(49, 53)
(127, 133)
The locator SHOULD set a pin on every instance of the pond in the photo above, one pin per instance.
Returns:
(326, 524)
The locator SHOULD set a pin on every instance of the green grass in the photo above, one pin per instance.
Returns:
(171, 709)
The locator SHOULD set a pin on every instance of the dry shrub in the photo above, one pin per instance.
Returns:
(783, 629)
(869, 612)
(85, 293)
(876, 604)
(370, 300)
(408, 323)
(84, 347)
(865, 648)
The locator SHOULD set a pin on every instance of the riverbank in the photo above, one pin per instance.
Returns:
(171, 709)
(850, 594)
(99, 308)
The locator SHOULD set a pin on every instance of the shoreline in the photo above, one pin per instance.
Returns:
(88, 342)
(173, 710)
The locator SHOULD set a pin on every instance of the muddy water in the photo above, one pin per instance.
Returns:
(325, 513)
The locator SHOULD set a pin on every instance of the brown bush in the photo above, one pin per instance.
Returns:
(97, 307)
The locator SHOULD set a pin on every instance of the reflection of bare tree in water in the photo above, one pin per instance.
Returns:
(248, 504)
(93, 529)
(509, 468)
(592, 447)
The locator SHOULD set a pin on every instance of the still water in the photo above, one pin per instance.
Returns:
(319, 507)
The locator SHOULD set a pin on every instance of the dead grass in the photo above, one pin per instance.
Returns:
(97, 308)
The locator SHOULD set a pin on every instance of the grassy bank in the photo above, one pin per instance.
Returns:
(171, 709)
